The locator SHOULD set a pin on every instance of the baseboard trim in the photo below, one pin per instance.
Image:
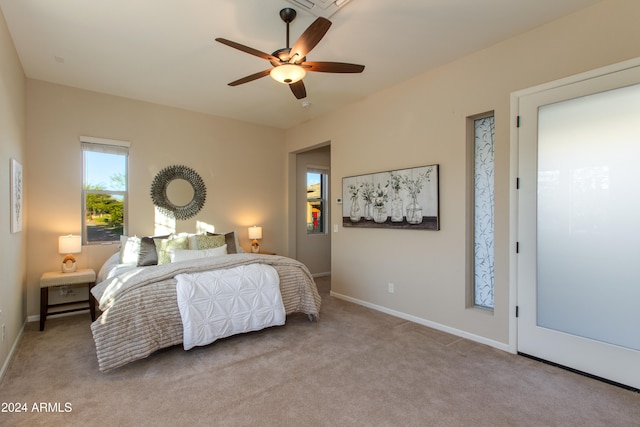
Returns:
(14, 347)
(424, 322)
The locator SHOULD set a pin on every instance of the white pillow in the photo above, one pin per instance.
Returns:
(191, 238)
(129, 249)
(187, 254)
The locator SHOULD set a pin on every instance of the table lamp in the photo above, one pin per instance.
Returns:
(68, 245)
(255, 233)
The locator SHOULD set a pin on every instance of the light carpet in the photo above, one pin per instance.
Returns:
(355, 367)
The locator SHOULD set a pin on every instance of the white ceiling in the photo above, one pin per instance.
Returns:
(163, 51)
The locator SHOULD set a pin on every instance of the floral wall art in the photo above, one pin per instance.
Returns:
(404, 198)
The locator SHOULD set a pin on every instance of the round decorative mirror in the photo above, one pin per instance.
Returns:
(178, 191)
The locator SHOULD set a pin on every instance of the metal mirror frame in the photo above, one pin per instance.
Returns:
(159, 191)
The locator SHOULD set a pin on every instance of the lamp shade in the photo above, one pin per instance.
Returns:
(288, 73)
(69, 244)
(255, 232)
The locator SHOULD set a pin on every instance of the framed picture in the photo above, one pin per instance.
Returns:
(16, 196)
(404, 198)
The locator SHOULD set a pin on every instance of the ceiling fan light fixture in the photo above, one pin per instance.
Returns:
(288, 73)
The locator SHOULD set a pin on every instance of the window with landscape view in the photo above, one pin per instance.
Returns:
(104, 187)
(316, 201)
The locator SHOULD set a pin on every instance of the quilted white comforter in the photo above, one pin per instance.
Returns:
(220, 303)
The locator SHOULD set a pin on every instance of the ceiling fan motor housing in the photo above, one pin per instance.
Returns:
(283, 55)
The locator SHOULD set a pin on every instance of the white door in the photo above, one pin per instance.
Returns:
(579, 225)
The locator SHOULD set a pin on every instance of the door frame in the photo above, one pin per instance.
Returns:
(514, 173)
(293, 200)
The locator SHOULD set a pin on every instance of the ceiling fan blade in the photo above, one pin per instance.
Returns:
(298, 89)
(332, 67)
(309, 39)
(250, 78)
(247, 49)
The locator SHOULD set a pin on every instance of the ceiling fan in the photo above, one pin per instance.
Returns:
(289, 65)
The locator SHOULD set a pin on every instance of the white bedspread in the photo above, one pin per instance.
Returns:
(220, 303)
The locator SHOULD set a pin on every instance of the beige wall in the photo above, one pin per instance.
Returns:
(241, 165)
(421, 122)
(13, 141)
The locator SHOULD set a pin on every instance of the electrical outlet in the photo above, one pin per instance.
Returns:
(391, 288)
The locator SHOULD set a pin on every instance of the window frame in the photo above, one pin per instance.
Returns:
(471, 214)
(108, 146)
(323, 199)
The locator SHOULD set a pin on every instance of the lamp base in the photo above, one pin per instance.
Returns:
(69, 264)
(255, 247)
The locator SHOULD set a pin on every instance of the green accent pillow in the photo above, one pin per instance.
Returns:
(231, 240)
(209, 242)
(164, 247)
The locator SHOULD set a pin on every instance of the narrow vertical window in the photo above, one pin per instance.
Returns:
(104, 189)
(316, 201)
(483, 210)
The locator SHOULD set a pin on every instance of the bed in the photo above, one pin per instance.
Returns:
(140, 307)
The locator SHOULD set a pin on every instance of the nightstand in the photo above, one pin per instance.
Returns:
(267, 253)
(57, 278)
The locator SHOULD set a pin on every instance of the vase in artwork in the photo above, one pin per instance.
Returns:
(414, 213)
(380, 214)
(354, 213)
(397, 214)
(368, 211)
